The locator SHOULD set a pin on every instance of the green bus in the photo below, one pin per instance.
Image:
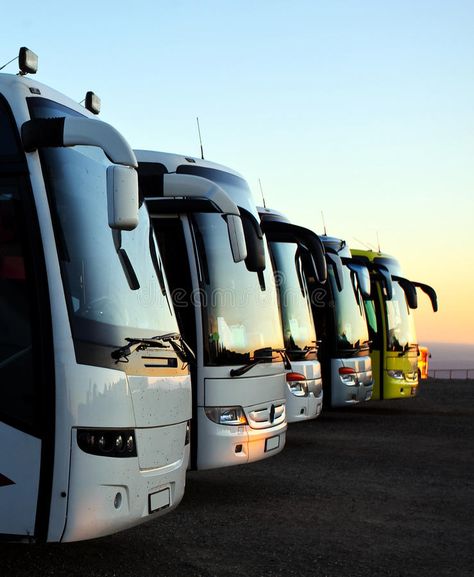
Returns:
(394, 346)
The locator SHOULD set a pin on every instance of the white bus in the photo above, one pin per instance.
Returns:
(226, 302)
(291, 247)
(96, 398)
(339, 314)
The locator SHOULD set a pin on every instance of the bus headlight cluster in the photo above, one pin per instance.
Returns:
(107, 442)
(348, 375)
(396, 374)
(226, 415)
(297, 384)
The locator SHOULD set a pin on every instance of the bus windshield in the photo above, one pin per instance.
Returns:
(351, 324)
(400, 322)
(239, 317)
(298, 328)
(102, 307)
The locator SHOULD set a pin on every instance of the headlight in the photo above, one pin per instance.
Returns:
(226, 415)
(396, 374)
(297, 384)
(348, 375)
(107, 442)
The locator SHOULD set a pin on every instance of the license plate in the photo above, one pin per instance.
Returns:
(159, 500)
(272, 443)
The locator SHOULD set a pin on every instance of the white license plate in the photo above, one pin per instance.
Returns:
(272, 443)
(159, 500)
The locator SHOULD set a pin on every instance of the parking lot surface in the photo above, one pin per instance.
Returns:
(381, 489)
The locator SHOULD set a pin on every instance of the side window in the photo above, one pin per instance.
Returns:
(16, 356)
(372, 322)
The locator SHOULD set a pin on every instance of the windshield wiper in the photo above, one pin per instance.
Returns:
(408, 347)
(261, 359)
(302, 353)
(362, 345)
(181, 348)
(358, 347)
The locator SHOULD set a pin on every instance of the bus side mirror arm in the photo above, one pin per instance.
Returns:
(409, 290)
(122, 177)
(305, 237)
(191, 186)
(430, 292)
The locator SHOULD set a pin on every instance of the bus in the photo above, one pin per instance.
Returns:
(339, 316)
(423, 362)
(394, 348)
(290, 246)
(96, 393)
(216, 260)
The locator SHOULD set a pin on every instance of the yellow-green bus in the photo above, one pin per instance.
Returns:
(394, 346)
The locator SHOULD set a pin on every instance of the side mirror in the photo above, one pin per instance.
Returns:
(188, 186)
(316, 249)
(236, 237)
(363, 278)
(386, 277)
(306, 238)
(409, 290)
(334, 260)
(255, 260)
(122, 197)
(430, 292)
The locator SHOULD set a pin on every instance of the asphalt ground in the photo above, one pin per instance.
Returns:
(381, 489)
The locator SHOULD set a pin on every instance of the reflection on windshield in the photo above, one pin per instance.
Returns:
(239, 317)
(351, 325)
(400, 322)
(298, 328)
(102, 306)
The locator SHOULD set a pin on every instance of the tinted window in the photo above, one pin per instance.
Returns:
(17, 378)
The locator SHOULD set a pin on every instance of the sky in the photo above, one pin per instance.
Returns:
(361, 111)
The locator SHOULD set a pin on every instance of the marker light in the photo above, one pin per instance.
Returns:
(348, 375)
(27, 61)
(107, 442)
(297, 384)
(92, 102)
(226, 415)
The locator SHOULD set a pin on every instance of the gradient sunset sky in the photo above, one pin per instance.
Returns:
(362, 109)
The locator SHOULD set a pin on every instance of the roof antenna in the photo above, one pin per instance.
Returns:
(200, 139)
(324, 224)
(9, 62)
(367, 246)
(261, 192)
(378, 243)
